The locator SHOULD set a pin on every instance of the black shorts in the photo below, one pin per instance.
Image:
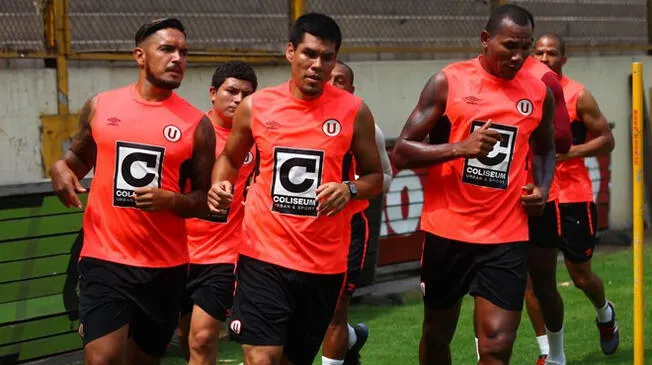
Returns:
(210, 287)
(357, 251)
(148, 299)
(578, 225)
(276, 306)
(545, 230)
(451, 269)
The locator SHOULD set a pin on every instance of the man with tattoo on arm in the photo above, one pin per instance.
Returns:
(142, 140)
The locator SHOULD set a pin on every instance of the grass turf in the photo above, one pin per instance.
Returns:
(395, 331)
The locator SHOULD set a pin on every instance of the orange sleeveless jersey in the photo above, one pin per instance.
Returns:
(139, 144)
(217, 238)
(477, 200)
(576, 185)
(302, 145)
(538, 69)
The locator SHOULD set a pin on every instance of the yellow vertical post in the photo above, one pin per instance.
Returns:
(637, 202)
(49, 26)
(62, 47)
(497, 3)
(297, 8)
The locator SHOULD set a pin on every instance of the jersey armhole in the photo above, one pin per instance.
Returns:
(448, 92)
(252, 123)
(96, 110)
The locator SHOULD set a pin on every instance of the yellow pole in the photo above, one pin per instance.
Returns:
(62, 39)
(49, 26)
(297, 8)
(637, 169)
(497, 3)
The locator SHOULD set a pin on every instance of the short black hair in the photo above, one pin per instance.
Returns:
(348, 68)
(155, 25)
(319, 25)
(236, 69)
(560, 41)
(515, 13)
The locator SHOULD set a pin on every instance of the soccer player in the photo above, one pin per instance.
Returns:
(293, 260)
(342, 342)
(591, 137)
(477, 198)
(213, 240)
(142, 140)
(543, 229)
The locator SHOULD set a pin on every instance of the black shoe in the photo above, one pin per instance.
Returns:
(609, 334)
(353, 355)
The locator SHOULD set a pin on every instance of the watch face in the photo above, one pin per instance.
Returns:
(352, 188)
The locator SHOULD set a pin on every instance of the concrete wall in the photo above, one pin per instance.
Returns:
(390, 88)
(24, 95)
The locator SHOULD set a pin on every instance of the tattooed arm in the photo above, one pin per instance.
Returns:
(77, 161)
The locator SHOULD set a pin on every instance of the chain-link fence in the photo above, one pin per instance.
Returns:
(388, 24)
(21, 26)
(249, 26)
(591, 22)
(242, 25)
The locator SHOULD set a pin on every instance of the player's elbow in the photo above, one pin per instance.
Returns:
(400, 155)
(378, 186)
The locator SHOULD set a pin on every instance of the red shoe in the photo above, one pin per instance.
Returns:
(542, 360)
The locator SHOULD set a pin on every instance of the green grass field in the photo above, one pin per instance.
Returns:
(395, 331)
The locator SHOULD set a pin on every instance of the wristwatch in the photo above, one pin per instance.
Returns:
(352, 188)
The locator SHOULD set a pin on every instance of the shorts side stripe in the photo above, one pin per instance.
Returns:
(366, 239)
(588, 212)
(558, 218)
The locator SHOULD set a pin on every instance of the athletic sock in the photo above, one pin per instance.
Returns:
(477, 349)
(327, 361)
(353, 338)
(556, 343)
(605, 314)
(544, 347)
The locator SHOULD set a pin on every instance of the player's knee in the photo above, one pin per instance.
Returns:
(581, 280)
(496, 341)
(99, 356)
(202, 341)
(260, 358)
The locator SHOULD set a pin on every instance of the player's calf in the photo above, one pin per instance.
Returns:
(437, 333)
(588, 282)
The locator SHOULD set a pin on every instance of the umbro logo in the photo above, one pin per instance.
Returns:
(272, 124)
(471, 100)
(114, 122)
